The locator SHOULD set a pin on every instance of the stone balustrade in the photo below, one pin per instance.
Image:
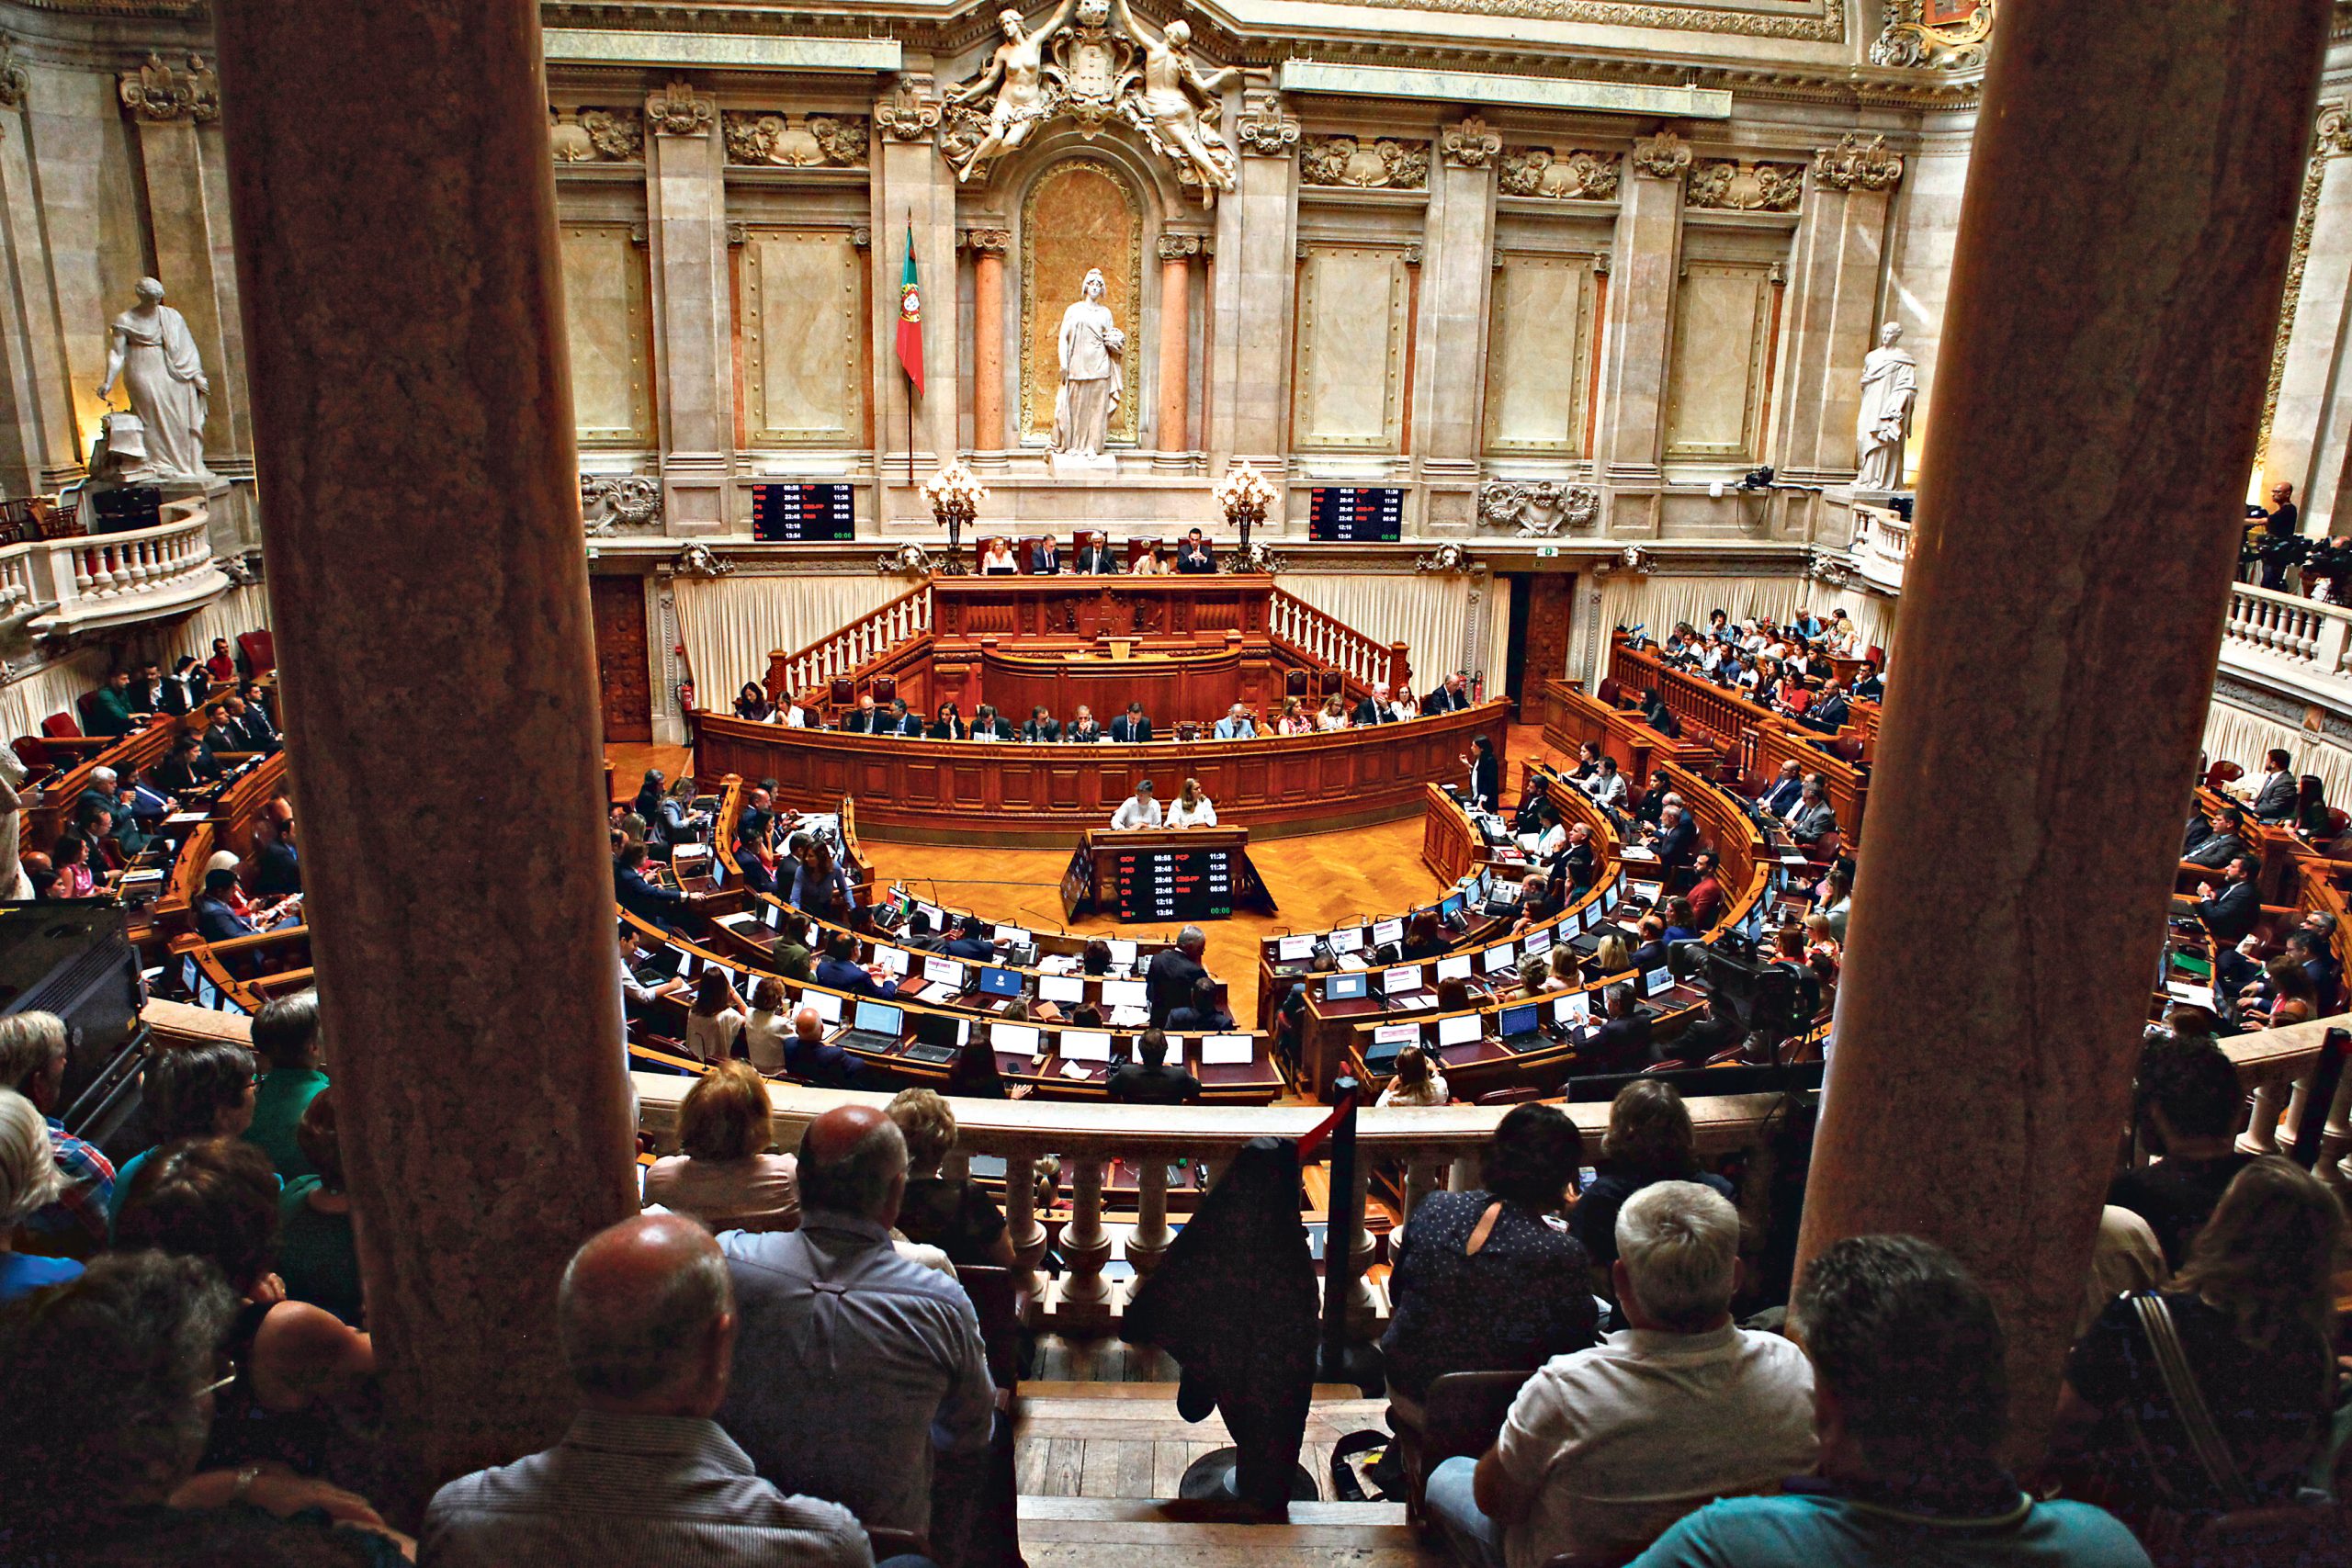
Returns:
(109, 579)
(2286, 640)
(1882, 545)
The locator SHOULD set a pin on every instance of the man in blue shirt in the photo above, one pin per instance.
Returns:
(970, 942)
(1910, 1401)
(1236, 724)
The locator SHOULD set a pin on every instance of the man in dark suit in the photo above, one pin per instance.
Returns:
(1202, 1015)
(643, 898)
(1174, 973)
(1150, 1081)
(1831, 713)
(219, 735)
(2233, 909)
(839, 969)
(1677, 838)
(1084, 729)
(277, 870)
(2224, 844)
(1373, 709)
(215, 918)
(150, 693)
(1622, 1042)
(253, 723)
(1814, 819)
(901, 720)
(970, 942)
(864, 720)
(1046, 560)
(1869, 685)
(1193, 557)
(2279, 525)
(1451, 696)
(1651, 954)
(990, 725)
(1131, 725)
(2274, 801)
(813, 1059)
(1782, 798)
(1042, 725)
(1095, 556)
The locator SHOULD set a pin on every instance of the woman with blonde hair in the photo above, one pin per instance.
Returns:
(1332, 716)
(1191, 808)
(1612, 957)
(1416, 1082)
(949, 1212)
(726, 1175)
(1295, 720)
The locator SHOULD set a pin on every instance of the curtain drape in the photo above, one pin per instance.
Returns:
(56, 686)
(730, 625)
(2232, 734)
(1429, 613)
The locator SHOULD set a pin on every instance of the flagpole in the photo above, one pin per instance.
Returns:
(911, 387)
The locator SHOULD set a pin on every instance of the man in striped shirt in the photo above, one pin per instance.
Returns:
(645, 1477)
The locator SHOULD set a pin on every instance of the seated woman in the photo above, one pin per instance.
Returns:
(1485, 1281)
(726, 1175)
(1403, 706)
(766, 1030)
(1534, 976)
(974, 1075)
(1148, 562)
(1295, 719)
(792, 716)
(1416, 1082)
(997, 559)
(30, 1181)
(949, 1212)
(752, 702)
(1453, 996)
(1333, 715)
(1612, 956)
(1190, 809)
(2252, 1310)
(1538, 905)
(1681, 921)
(1649, 1140)
(318, 1254)
(1095, 960)
(1424, 938)
(714, 1022)
(1588, 762)
(949, 724)
(297, 1367)
(200, 1091)
(2293, 997)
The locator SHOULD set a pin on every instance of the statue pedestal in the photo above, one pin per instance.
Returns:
(1081, 463)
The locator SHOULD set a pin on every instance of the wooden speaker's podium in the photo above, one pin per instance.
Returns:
(1163, 874)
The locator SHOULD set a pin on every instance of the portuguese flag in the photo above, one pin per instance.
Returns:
(911, 316)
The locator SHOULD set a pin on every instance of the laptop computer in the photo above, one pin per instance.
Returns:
(1127, 994)
(938, 1037)
(1521, 1027)
(1350, 987)
(1462, 1028)
(996, 981)
(873, 1027)
(1380, 1056)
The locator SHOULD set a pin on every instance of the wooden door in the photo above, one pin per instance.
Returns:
(623, 668)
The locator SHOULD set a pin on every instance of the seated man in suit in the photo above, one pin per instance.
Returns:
(1373, 709)
(1083, 729)
(1045, 559)
(1149, 1080)
(1677, 836)
(2274, 798)
(1042, 725)
(916, 936)
(901, 721)
(864, 720)
(2224, 844)
(990, 725)
(1202, 1015)
(150, 693)
(642, 897)
(2233, 909)
(1095, 555)
(1869, 685)
(214, 910)
(1651, 954)
(1193, 557)
(1131, 725)
(1621, 1042)
(1577, 867)
(839, 969)
(1451, 696)
(1831, 712)
(277, 869)
(219, 735)
(1236, 724)
(813, 1059)
(970, 941)
(254, 730)
(1812, 819)
(1781, 798)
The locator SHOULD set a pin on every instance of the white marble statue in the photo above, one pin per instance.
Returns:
(1169, 115)
(1016, 73)
(14, 885)
(1890, 389)
(1094, 374)
(153, 355)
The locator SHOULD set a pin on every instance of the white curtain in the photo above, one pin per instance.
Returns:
(2233, 734)
(55, 687)
(1658, 604)
(1496, 661)
(730, 625)
(1429, 613)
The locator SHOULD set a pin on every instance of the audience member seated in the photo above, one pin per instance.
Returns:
(191, 1092)
(75, 878)
(726, 1175)
(318, 1252)
(1150, 1081)
(1607, 786)
(29, 1183)
(1910, 1405)
(813, 1059)
(646, 1319)
(1414, 1081)
(1621, 1043)
(1605, 1448)
(131, 1351)
(714, 1021)
(1649, 1140)
(642, 897)
(33, 1050)
(1786, 790)
(2223, 844)
(301, 1373)
(792, 956)
(1486, 1281)
(2254, 1312)
(839, 970)
(1083, 728)
(286, 1037)
(2233, 909)
(951, 1213)
(2188, 1102)
(854, 1367)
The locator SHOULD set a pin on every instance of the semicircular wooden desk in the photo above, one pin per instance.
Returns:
(1024, 795)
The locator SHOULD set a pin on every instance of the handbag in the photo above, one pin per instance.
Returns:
(2196, 1417)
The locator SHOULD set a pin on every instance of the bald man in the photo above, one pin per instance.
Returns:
(813, 1059)
(856, 1368)
(647, 1320)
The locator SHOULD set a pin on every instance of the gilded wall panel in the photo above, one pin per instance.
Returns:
(609, 325)
(1715, 383)
(1539, 355)
(1349, 389)
(1078, 215)
(801, 338)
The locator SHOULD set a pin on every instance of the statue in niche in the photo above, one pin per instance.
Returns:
(1165, 110)
(1890, 388)
(1093, 376)
(1016, 73)
(153, 355)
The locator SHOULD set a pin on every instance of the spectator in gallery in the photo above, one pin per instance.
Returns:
(317, 1252)
(952, 1213)
(1195, 557)
(949, 724)
(997, 558)
(1650, 1139)
(1148, 562)
(222, 665)
(29, 1182)
(727, 1173)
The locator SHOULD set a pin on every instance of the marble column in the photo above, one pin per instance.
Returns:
(2311, 417)
(2094, 412)
(1252, 285)
(1457, 273)
(913, 185)
(430, 601)
(987, 343)
(685, 199)
(39, 438)
(1632, 429)
(1174, 435)
(1827, 328)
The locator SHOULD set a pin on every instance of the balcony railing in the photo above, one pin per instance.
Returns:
(1881, 546)
(106, 580)
(2300, 643)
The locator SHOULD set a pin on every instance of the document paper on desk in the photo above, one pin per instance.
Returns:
(2191, 995)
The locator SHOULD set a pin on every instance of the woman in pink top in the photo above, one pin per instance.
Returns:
(727, 1176)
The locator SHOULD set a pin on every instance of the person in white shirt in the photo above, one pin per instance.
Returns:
(1554, 839)
(1607, 1448)
(763, 1031)
(790, 716)
(715, 1019)
(1236, 724)
(1191, 808)
(1607, 786)
(1403, 706)
(1140, 809)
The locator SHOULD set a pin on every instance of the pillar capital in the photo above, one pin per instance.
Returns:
(1263, 130)
(1664, 156)
(1182, 247)
(2331, 136)
(1468, 144)
(678, 110)
(158, 91)
(909, 112)
(988, 242)
(1858, 161)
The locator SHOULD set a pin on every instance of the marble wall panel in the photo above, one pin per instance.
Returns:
(1715, 380)
(1539, 355)
(1350, 385)
(1079, 215)
(610, 329)
(801, 334)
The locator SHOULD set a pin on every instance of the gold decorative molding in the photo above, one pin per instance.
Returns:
(678, 110)
(1468, 144)
(1065, 229)
(596, 136)
(1857, 160)
(1181, 247)
(1664, 156)
(157, 93)
(909, 114)
(795, 141)
(1386, 163)
(1910, 40)
(1560, 176)
(2331, 138)
(1828, 26)
(1737, 186)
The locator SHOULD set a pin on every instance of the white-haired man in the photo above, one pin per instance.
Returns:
(1604, 1448)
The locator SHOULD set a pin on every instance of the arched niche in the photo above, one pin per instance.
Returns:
(1079, 212)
